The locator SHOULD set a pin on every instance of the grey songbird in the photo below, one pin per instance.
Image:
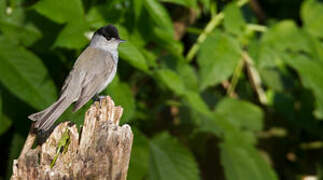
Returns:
(93, 70)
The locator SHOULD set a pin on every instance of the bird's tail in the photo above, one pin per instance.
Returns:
(46, 118)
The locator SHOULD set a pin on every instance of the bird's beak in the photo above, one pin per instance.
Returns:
(120, 40)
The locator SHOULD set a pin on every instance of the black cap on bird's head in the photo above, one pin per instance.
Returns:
(108, 32)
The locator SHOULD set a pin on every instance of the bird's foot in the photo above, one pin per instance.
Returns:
(97, 98)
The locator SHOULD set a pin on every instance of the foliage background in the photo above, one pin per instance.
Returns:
(212, 89)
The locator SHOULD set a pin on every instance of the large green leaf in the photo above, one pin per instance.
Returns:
(62, 11)
(139, 161)
(241, 113)
(218, 57)
(234, 21)
(312, 16)
(25, 76)
(70, 12)
(133, 56)
(244, 162)
(171, 160)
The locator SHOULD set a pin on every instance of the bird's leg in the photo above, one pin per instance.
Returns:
(96, 97)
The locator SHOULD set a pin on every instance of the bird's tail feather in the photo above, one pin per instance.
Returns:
(46, 118)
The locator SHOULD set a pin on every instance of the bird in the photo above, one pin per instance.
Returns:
(92, 72)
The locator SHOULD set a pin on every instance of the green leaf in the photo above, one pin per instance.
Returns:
(25, 76)
(286, 36)
(234, 21)
(123, 96)
(62, 12)
(139, 161)
(243, 162)
(218, 57)
(218, 125)
(159, 14)
(241, 113)
(310, 72)
(312, 16)
(171, 160)
(133, 56)
(196, 102)
(72, 36)
(187, 3)
(188, 75)
(172, 80)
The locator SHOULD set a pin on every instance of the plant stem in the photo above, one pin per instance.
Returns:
(214, 22)
(257, 27)
(255, 79)
(235, 78)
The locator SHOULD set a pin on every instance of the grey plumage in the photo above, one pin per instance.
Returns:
(92, 72)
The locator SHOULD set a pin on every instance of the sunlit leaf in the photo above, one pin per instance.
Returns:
(234, 21)
(286, 36)
(217, 59)
(312, 17)
(64, 11)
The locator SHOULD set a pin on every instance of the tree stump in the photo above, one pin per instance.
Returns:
(101, 151)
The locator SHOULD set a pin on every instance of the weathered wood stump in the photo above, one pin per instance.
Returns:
(101, 151)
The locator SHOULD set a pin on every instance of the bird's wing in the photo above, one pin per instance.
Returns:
(98, 72)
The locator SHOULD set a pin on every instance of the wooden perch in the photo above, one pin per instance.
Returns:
(101, 151)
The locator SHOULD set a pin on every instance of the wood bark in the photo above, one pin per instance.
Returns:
(100, 151)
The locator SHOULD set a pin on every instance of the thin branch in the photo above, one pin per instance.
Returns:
(214, 22)
(235, 78)
(254, 77)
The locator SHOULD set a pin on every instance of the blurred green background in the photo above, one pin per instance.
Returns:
(213, 89)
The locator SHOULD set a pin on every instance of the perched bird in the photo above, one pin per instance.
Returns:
(93, 70)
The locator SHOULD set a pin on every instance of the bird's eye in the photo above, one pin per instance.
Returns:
(108, 38)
